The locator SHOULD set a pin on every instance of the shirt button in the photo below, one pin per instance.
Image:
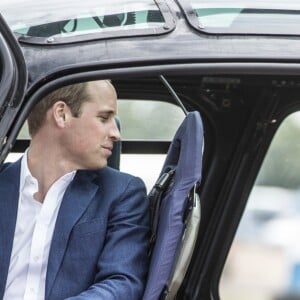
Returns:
(36, 258)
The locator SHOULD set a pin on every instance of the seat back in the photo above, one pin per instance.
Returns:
(175, 210)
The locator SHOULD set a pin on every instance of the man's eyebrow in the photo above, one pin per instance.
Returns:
(106, 112)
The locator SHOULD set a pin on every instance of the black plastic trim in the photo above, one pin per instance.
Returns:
(128, 146)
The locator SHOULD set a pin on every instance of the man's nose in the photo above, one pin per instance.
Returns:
(115, 131)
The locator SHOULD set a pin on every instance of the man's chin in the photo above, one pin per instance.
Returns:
(102, 164)
(96, 165)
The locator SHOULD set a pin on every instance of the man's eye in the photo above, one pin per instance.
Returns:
(103, 118)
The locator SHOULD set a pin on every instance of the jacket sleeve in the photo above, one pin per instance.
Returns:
(123, 262)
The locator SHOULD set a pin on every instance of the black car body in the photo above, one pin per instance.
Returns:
(243, 77)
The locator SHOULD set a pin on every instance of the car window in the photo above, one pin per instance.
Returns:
(61, 21)
(264, 260)
(149, 120)
(252, 17)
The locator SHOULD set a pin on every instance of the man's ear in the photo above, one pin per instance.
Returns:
(61, 113)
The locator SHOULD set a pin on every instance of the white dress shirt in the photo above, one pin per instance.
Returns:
(33, 235)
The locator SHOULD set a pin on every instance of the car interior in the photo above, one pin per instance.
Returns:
(245, 110)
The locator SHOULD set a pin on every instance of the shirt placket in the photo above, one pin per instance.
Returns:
(39, 240)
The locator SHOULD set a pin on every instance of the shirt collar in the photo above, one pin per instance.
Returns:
(25, 173)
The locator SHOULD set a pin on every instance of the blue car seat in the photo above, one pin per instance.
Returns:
(175, 211)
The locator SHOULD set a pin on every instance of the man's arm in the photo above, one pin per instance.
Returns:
(123, 263)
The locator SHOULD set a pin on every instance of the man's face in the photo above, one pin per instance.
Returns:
(89, 138)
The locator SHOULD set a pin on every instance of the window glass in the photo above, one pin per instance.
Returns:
(244, 16)
(149, 120)
(264, 261)
(68, 18)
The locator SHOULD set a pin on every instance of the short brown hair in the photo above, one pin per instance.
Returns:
(73, 95)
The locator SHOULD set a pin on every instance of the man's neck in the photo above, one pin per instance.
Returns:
(47, 166)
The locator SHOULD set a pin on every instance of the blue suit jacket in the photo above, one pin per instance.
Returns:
(100, 241)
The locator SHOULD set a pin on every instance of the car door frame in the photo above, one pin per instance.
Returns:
(13, 83)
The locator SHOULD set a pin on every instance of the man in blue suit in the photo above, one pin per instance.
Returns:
(71, 227)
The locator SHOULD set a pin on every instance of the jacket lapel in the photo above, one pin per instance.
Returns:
(9, 198)
(75, 201)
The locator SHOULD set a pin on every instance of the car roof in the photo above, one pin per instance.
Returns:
(172, 40)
